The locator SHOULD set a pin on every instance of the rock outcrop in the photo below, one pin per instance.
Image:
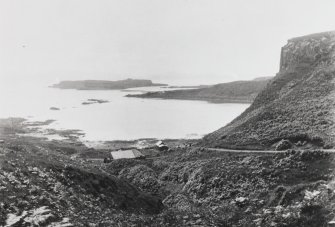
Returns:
(297, 105)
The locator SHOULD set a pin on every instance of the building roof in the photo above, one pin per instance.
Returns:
(132, 153)
(160, 144)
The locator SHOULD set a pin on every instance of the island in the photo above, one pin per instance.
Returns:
(105, 84)
(232, 92)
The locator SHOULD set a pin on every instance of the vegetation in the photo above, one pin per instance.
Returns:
(185, 186)
(65, 183)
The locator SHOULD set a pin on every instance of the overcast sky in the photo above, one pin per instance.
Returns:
(174, 41)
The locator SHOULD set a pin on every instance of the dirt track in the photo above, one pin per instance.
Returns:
(256, 151)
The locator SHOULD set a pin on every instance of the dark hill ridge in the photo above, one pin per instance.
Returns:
(233, 92)
(298, 104)
(105, 84)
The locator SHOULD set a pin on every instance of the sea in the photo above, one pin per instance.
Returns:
(121, 118)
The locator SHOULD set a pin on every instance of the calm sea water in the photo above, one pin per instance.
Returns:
(122, 118)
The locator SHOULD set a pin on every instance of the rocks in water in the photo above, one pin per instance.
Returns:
(97, 100)
(94, 101)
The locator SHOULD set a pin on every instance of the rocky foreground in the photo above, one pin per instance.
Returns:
(50, 183)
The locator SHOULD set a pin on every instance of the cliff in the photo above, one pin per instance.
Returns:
(104, 84)
(233, 92)
(297, 105)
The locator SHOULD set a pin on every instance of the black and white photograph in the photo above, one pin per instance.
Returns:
(167, 113)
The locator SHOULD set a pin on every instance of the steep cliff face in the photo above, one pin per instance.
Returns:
(298, 104)
(308, 50)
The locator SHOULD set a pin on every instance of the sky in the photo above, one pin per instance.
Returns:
(181, 42)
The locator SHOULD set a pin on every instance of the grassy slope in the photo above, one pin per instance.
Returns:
(296, 105)
(222, 189)
(235, 92)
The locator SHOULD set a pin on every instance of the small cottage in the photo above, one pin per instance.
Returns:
(128, 154)
(162, 146)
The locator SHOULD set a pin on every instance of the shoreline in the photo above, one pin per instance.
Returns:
(74, 136)
(24, 128)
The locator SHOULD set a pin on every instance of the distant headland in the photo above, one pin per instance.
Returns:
(232, 92)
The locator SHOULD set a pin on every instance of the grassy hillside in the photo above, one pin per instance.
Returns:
(208, 188)
(297, 105)
(233, 92)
